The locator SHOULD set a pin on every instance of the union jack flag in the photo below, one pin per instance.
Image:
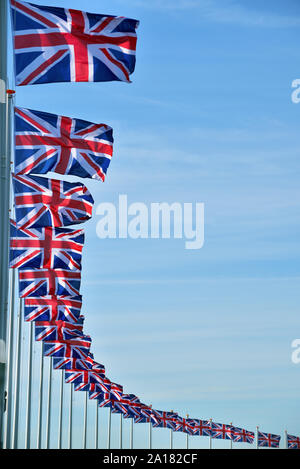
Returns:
(43, 282)
(47, 142)
(43, 202)
(84, 376)
(184, 425)
(53, 308)
(73, 363)
(57, 330)
(55, 44)
(144, 415)
(268, 440)
(293, 442)
(165, 419)
(75, 348)
(45, 248)
(241, 435)
(201, 427)
(103, 386)
(129, 405)
(221, 431)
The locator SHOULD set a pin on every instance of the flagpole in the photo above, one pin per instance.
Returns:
(71, 416)
(61, 400)
(131, 434)
(40, 409)
(286, 439)
(171, 436)
(85, 420)
(48, 423)
(231, 439)
(187, 435)
(15, 426)
(10, 347)
(150, 435)
(257, 447)
(96, 425)
(210, 438)
(109, 428)
(29, 385)
(121, 431)
(4, 208)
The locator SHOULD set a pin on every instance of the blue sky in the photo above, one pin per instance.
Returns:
(208, 118)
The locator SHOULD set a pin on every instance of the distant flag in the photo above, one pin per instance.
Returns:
(221, 431)
(48, 142)
(268, 440)
(53, 308)
(240, 435)
(74, 348)
(128, 405)
(57, 330)
(76, 376)
(54, 44)
(43, 282)
(202, 427)
(293, 442)
(166, 419)
(48, 248)
(145, 415)
(185, 425)
(71, 363)
(45, 202)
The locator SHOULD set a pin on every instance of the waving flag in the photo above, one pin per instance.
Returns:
(202, 427)
(41, 202)
(55, 44)
(184, 425)
(293, 442)
(128, 405)
(241, 435)
(165, 419)
(48, 248)
(268, 440)
(73, 363)
(53, 308)
(47, 142)
(221, 431)
(43, 282)
(57, 330)
(144, 415)
(84, 376)
(74, 348)
(96, 387)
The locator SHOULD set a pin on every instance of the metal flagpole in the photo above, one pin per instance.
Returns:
(257, 437)
(121, 432)
(15, 426)
(4, 201)
(48, 423)
(85, 420)
(210, 438)
(171, 436)
(150, 435)
(10, 347)
(187, 435)
(60, 409)
(131, 434)
(231, 437)
(109, 429)
(286, 439)
(96, 425)
(40, 409)
(29, 385)
(71, 417)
